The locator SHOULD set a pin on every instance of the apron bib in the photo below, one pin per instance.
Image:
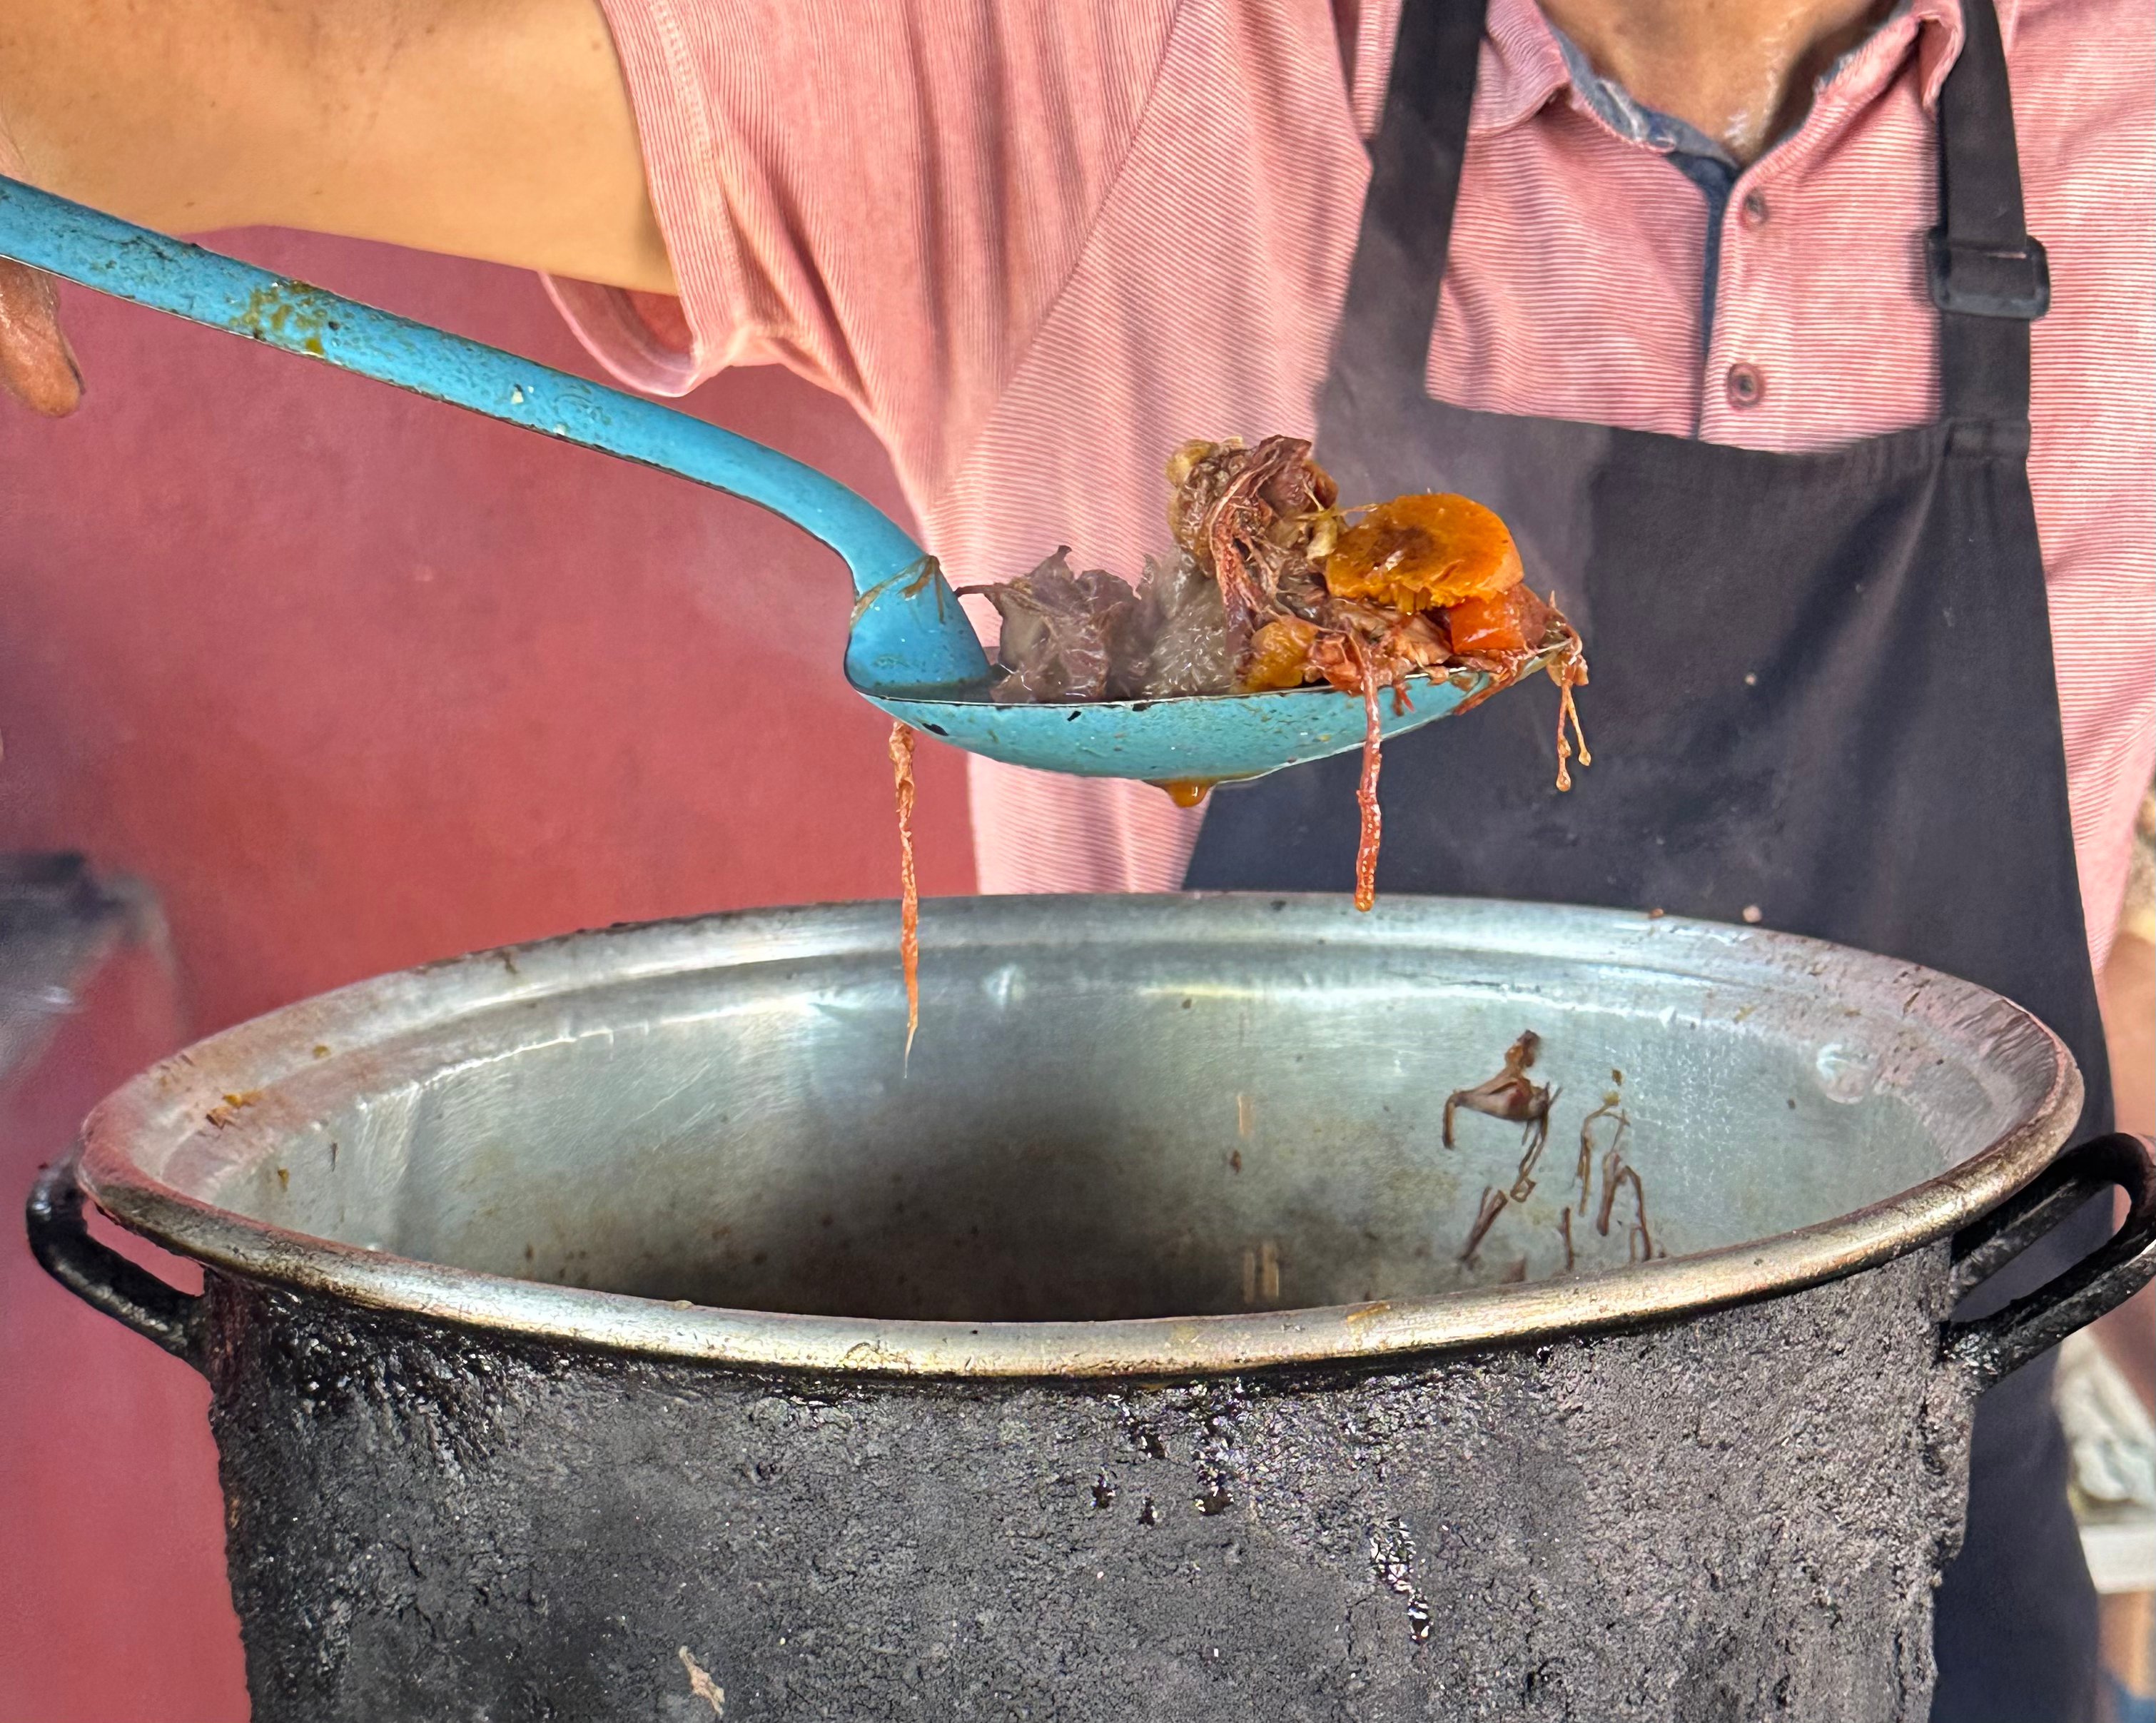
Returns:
(1823, 693)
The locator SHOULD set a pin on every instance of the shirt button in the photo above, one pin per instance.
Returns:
(1744, 385)
(1754, 209)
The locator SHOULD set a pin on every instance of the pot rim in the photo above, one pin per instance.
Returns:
(178, 1098)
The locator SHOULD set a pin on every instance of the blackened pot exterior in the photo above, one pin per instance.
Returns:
(622, 1327)
(1738, 1517)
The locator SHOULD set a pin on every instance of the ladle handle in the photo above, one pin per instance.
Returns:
(1996, 1345)
(913, 634)
(99, 1275)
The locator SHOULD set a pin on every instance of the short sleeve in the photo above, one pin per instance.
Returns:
(883, 195)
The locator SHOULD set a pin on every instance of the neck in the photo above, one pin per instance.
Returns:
(1740, 71)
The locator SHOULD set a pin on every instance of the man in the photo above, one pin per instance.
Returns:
(1650, 276)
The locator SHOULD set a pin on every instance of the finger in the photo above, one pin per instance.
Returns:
(37, 366)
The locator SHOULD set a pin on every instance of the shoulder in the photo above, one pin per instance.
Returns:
(2084, 78)
(2087, 65)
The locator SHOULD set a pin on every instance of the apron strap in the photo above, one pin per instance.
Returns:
(1988, 277)
(1392, 284)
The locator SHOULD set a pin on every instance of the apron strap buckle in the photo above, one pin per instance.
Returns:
(1980, 279)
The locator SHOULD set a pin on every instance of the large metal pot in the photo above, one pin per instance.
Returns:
(1120, 1359)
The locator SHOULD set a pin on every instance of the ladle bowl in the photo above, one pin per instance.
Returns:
(911, 650)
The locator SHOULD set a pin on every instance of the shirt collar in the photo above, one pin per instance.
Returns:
(1525, 63)
(1521, 68)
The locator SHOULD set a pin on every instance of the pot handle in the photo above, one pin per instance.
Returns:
(1993, 1346)
(99, 1275)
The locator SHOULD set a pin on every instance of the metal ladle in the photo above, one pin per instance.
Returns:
(910, 650)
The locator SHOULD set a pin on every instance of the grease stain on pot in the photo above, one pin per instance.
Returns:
(700, 1683)
(1392, 1560)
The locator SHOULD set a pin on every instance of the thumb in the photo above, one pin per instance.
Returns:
(37, 366)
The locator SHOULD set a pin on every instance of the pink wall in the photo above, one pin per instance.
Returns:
(354, 681)
(112, 1597)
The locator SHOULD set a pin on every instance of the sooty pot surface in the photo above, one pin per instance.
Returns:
(600, 1326)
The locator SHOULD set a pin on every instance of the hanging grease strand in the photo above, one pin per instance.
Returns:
(909, 883)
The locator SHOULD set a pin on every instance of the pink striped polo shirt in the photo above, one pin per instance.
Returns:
(1038, 243)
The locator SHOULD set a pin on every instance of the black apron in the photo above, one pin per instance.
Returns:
(1823, 699)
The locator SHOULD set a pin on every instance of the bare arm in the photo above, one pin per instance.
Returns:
(495, 129)
(2129, 1012)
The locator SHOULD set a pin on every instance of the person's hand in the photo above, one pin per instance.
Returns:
(37, 366)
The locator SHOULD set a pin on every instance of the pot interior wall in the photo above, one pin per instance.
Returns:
(1104, 1120)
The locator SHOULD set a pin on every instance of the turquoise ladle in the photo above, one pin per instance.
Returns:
(910, 650)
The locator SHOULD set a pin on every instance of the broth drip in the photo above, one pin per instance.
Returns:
(909, 883)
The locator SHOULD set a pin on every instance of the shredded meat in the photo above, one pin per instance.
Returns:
(1065, 636)
(1273, 587)
(1611, 1109)
(1514, 1096)
(1486, 1217)
(1510, 1095)
(1182, 624)
(1259, 522)
(1639, 1245)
